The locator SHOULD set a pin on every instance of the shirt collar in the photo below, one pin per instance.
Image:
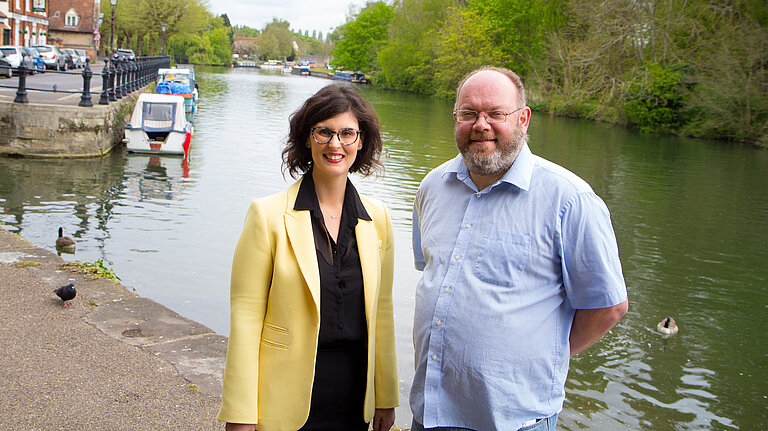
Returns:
(306, 200)
(518, 175)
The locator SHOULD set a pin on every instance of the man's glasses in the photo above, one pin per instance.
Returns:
(323, 135)
(466, 116)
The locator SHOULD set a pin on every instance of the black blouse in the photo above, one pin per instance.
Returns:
(342, 301)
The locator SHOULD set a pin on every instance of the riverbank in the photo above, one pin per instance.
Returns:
(110, 360)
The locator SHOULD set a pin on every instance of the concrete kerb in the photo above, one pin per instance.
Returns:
(195, 351)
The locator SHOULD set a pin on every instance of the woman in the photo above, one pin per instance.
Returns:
(312, 331)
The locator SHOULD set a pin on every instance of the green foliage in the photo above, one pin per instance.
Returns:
(408, 59)
(654, 100)
(362, 36)
(138, 26)
(276, 40)
(93, 270)
(463, 44)
(245, 31)
(516, 29)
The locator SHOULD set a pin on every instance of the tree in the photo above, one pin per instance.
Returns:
(408, 59)
(276, 40)
(361, 37)
(463, 43)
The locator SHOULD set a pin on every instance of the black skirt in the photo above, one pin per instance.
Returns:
(338, 391)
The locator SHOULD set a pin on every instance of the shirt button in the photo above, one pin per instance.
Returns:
(434, 357)
(439, 323)
(458, 257)
(478, 195)
(447, 289)
(469, 225)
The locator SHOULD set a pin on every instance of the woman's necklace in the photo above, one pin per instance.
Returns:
(333, 217)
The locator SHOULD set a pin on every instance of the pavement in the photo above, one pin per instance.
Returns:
(111, 360)
(62, 82)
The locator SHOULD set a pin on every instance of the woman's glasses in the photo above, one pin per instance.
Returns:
(323, 135)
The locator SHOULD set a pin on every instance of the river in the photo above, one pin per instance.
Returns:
(691, 218)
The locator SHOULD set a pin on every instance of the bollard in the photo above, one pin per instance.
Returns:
(134, 84)
(129, 88)
(118, 79)
(121, 73)
(85, 99)
(104, 100)
(111, 73)
(21, 93)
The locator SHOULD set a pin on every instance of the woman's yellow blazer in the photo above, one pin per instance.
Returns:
(275, 315)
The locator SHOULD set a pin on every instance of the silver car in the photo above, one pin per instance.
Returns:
(76, 61)
(5, 66)
(83, 56)
(17, 56)
(52, 56)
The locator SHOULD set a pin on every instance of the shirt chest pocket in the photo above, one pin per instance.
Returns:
(502, 258)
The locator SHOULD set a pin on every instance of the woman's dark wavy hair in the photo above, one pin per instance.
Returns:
(329, 102)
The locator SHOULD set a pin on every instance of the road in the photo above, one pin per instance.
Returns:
(71, 80)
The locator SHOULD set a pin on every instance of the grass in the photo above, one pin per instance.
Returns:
(92, 270)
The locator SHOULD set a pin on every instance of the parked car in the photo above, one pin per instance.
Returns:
(84, 58)
(52, 56)
(5, 66)
(125, 53)
(17, 56)
(37, 59)
(71, 56)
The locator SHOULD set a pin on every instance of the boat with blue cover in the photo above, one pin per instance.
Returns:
(179, 82)
(353, 77)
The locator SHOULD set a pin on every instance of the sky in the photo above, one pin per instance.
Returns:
(320, 15)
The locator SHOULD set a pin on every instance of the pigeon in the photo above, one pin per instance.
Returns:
(66, 293)
(667, 327)
(64, 242)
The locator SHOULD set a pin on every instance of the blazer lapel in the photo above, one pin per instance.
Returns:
(298, 224)
(368, 248)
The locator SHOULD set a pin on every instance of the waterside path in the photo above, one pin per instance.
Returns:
(111, 360)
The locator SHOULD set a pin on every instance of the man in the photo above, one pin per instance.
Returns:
(520, 271)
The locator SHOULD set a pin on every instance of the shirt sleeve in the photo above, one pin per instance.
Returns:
(418, 256)
(591, 267)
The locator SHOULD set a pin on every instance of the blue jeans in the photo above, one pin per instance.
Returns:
(548, 424)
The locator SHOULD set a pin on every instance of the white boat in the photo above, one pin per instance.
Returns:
(181, 82)
(272, 65)
(158, 126)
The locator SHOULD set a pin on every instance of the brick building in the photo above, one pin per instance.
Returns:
(24, 22)
(74, 24)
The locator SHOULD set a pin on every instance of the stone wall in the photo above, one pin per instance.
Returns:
(35, 130)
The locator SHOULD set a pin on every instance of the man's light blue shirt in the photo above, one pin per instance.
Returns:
(503, 271)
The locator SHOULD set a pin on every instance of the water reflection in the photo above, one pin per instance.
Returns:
(155, 177)
(690, 217)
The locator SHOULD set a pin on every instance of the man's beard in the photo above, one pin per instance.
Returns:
(497, 162)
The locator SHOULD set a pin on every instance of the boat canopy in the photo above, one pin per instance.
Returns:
(175, 81)
(172, 72)
(159, 113)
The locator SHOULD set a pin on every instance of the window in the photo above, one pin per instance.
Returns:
(71, 19)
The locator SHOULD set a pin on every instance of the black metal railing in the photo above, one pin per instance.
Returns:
(119, 77)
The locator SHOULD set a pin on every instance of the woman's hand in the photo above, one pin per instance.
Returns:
(383, 419)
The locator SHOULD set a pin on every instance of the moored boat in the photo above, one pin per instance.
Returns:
(158, 126)
(272, 65)
(180, 82)
(354, 77)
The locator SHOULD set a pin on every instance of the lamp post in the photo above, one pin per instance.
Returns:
(163, 26)
(112, 26)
